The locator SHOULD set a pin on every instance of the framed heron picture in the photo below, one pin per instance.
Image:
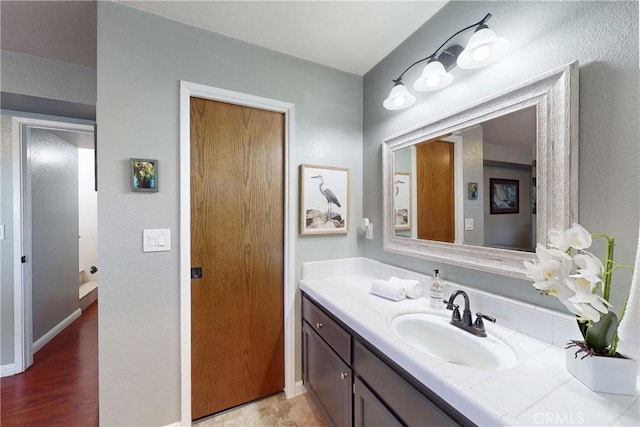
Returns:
(324, 200)
(402, 200)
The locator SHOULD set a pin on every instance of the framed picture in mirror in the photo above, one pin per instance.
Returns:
(505, 196)
(402, 200)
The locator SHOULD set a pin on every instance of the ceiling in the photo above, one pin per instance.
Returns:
(63, 30)
(352, 36)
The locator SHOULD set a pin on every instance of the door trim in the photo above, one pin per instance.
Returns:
(188, 90)
(22, 291)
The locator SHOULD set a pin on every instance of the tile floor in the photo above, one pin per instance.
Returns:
(276, 410)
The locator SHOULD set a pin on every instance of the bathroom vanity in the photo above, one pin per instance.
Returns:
(348, 375)
(362, 373)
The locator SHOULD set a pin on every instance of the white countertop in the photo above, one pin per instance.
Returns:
(538, 391)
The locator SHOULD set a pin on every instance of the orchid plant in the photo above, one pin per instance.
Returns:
(582, 282)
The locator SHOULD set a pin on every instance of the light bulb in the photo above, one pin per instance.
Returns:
(433, 81)
(433, 77)
(399, 98)
(481, 53)
(483, 48)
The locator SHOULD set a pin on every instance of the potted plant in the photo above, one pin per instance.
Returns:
(582, 282)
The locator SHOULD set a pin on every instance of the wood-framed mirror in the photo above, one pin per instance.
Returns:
(487, 180)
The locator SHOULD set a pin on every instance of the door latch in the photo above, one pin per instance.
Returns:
(196, 272)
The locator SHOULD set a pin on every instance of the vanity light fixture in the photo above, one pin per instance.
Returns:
(483, 48)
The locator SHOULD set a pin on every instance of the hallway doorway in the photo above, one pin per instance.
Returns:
(53, 162)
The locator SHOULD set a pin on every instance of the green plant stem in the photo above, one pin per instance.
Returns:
(608, 265)
(606, 285)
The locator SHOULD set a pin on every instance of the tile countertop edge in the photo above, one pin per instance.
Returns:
(347, 298)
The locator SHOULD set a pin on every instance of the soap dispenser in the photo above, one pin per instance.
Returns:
(437, 291)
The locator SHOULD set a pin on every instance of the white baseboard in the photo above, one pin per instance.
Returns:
(176, 424)
(300, 389)
(7, 370)
(55, 330)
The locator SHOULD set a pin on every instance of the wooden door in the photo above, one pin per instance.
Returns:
(237, 238)
(436, 216)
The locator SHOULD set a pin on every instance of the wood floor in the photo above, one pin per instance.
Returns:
(61, 388)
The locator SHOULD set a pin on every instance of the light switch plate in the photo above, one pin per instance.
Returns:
(156, 240)
(468, 224)
(1, 231)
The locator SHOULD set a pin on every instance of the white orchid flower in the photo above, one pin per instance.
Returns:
(589, 262)
(583, 282)
(589, 306)
(555, 287)
(556, 239)
(578, 237)
(545, 270)
(583, 311)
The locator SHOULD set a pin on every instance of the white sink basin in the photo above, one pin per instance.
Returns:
(435, 336)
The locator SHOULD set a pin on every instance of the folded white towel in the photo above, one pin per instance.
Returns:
(413, 288)
(385, 289)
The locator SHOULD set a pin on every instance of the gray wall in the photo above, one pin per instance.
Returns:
(141, 59)
(47, 78)
(54, 200)
(6, 245)
(473, 154)
(543, 36)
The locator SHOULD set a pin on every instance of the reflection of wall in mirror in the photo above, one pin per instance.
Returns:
(402, 201)
(511, 231)
(473, 155)
(403, 161)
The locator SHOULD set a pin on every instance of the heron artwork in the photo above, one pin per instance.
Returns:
(398, 182)
(328, 195)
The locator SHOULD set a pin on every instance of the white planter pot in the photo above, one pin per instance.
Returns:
(603, 374)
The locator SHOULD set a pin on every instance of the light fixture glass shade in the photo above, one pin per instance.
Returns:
(483, 48)
(399, 98)
(433, 77)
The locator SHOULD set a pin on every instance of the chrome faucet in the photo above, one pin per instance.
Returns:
(465, 322)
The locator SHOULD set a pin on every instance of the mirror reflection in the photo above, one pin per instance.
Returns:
(475, 186)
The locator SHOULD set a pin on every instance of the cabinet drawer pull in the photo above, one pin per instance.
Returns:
(318, 325)
(344, 375)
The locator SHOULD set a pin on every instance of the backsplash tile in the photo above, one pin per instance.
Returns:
(564, 330)
(535, 324)
(505, 313)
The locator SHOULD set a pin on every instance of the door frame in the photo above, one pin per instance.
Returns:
(188, 90)
(22, 287)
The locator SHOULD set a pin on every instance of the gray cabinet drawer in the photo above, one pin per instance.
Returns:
(327, 377)
(408, 404)
(330, 331)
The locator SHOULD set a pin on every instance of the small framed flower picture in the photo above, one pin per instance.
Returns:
(144, 175)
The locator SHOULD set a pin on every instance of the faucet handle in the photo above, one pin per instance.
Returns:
(486, 317)
(479, 324)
